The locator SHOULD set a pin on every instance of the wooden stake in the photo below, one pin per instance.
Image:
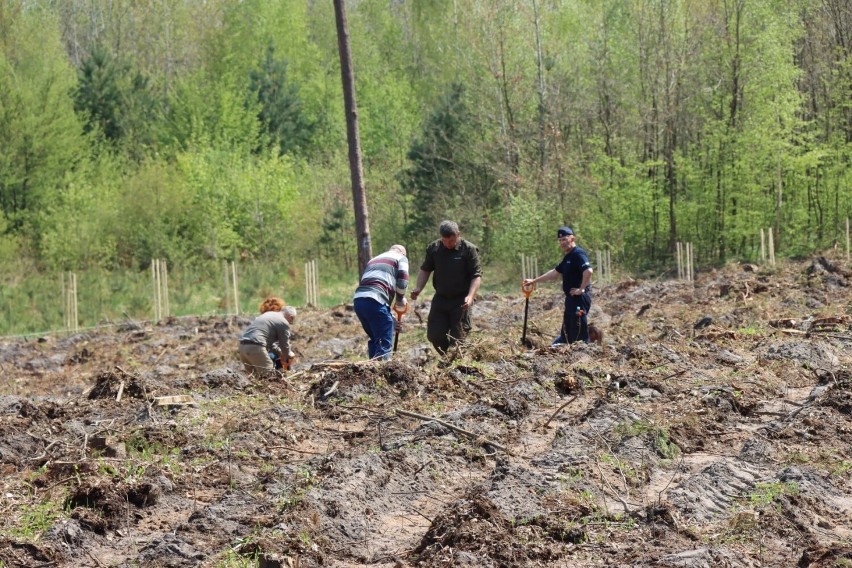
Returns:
(227, 290)
(156, 289)
(771, 248)
(678, 254)
(689, 259)
(69, 301)
(164, 272)
(316, 283)
(236, 297)
(76, 321)
(307, 285)
(608, 266)
(311, 284)
(64, 300)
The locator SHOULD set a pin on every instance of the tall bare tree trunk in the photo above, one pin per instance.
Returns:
(542, 132)
(359, 192)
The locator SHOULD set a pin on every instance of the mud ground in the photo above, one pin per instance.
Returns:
(711, 428)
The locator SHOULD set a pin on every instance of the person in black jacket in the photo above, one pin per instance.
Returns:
(458, 274)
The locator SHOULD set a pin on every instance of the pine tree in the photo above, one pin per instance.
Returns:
(431, 180)
(280, 105)
(98, 95)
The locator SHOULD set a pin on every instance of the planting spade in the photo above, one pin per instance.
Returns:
(399, 313)
(527, 290)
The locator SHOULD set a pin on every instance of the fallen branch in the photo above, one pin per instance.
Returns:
(85, 443)
(157, 359)
(332, 389)
(456, 429)
(93, 557)
(833, 335)
(294, 450)
(675, 374)
(558, 410)
(44, 453)
(131, 375)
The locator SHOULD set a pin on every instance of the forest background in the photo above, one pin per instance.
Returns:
(204, 132)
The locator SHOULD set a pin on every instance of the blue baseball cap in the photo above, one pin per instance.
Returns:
(564, 232)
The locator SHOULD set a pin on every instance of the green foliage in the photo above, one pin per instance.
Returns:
(336, 228)
(641, 125)
(83, 228)
(117, 102)
(766, 493)
(431, 181)
(40, 135)
(528, 226)
(35, 520)
(446, 180)
(664, 444)
(98, 96)
(280, 106)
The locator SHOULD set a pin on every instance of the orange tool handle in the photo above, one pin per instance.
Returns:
(527, 289)
(399, 313)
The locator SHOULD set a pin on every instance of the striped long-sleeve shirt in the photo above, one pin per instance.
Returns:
(386, 276)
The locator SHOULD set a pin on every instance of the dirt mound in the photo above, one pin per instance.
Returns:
(710, 427)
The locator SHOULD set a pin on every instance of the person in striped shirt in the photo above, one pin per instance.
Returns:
(385, 279)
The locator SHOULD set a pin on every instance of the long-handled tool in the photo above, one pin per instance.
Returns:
(399, 313)
(527, 290)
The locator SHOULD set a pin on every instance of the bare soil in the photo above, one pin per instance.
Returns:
(710, 428)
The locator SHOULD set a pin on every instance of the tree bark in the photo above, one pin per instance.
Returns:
(359, 192)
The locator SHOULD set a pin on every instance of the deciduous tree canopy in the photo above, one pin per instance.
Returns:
(216, 130)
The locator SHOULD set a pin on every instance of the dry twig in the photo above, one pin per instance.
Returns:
(558, 410)
(456, 429)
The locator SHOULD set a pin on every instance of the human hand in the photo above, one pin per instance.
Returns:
(468, 302)
(415, 293)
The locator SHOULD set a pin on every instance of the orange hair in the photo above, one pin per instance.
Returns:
(271, 304)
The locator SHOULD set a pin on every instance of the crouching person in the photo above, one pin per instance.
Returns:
(268, 333)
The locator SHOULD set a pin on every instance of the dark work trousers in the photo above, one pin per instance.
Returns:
(574, 326)
(448, 322)
(377, 321)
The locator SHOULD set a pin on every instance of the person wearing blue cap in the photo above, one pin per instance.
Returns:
(576, 271)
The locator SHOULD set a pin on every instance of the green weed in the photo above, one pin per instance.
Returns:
(35, 520)
(664, 445)
(750, 330)
(766, 493)
(632, 428)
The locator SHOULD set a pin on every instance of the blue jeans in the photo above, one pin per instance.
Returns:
(377, 321)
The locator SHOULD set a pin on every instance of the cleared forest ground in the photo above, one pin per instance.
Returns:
(711, 428)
